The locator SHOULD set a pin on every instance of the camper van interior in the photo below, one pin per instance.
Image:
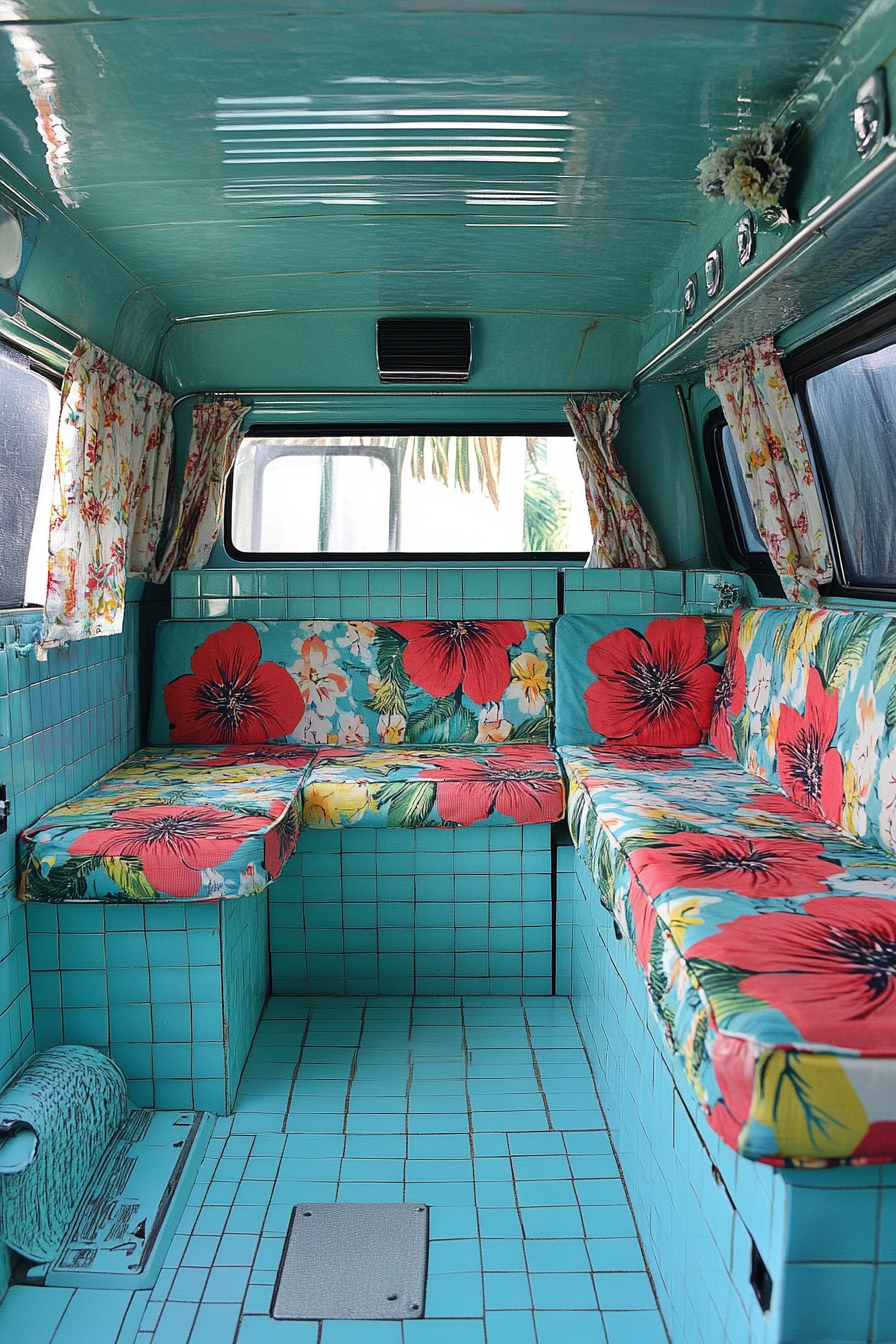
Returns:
(448, 672)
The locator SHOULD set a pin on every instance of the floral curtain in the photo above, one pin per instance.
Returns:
(623, 536)
(216, 427)
(762, 417)
(113, 457)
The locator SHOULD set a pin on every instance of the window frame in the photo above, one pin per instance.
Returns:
(36, 551)
(863, 335)
(268, 429)
(757, 564)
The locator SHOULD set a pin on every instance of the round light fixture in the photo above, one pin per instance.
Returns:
(10, 245)
(714, 271)
(746, 239)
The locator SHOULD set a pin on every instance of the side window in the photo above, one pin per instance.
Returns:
(850, 411)
(741, 536)
(29, 414)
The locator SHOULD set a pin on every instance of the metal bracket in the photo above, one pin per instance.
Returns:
(5, 807)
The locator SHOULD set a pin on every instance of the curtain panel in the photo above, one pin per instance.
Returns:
(762, 417)
(213, 445)
(113, 460)
(623, 536)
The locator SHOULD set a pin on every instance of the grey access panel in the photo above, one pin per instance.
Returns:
(354, 1262)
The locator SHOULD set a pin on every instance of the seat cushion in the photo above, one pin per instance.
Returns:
(768, 942)
(498, 785)
(639, 680)
(170, 824)
(353, 683)
(807, 701)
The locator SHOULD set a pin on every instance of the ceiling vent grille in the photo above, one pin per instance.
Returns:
(424, 349)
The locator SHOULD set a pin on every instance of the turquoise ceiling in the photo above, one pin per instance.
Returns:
(455, 156)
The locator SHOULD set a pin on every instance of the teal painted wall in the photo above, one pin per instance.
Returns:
(825, 164)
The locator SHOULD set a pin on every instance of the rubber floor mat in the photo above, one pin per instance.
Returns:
(357, 1262)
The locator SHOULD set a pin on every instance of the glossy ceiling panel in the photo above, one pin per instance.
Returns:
(358, 155)
(337, 244)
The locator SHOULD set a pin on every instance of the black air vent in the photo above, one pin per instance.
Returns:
(424, 349)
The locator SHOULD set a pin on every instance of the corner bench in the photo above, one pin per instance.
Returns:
(752, 884)
(257, 731)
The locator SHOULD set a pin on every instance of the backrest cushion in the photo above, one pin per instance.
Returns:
(808, 702)
(640, 680)
(350, 683)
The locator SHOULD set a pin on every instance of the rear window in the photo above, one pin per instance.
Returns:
(479, 492)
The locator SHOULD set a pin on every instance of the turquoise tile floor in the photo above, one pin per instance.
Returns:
(483, 1108)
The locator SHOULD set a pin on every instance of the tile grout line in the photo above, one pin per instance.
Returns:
(621, 1173)
(537, 1070)
(295, 1072)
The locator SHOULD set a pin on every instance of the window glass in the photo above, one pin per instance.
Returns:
(29, 412)
(753, 543)
(413, 493)
(853, 411)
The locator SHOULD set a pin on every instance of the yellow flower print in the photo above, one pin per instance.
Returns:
(804, 637)
(682, 914)
(329, 805)
(391, 728)
(530, 680)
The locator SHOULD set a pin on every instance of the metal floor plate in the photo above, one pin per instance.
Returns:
(354, 1262)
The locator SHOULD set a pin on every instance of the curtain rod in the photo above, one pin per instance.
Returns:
(298, 394)
(53, 321)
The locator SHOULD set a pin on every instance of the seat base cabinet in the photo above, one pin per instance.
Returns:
(172, 991)
(709, 1219)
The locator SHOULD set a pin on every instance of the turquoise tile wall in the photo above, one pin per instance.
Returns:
(149, 985)
(828, 1238)
(396, 592)
(599, 592)
(63, 722)
(246, 975)
(414, 912)
(417, 592)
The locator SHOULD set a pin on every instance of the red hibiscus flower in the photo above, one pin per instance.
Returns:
(654, 689)
(734, 1065)
(652, 759)
(761, 867)
(231, 696)
(810, 769)
(290, 758)
(442, 655)
(731, 694)
(172, 843)
(525, 787)
(830, 970)
(777, 805)
(280, 840)
(645, 921)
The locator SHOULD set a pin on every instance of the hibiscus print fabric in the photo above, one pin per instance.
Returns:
(767, 940)
(813, 709)
(649, 683)
(354, 684)
(230, 695)
(494, 785)
(174, 824)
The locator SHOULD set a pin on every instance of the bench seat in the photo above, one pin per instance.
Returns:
(184, 823)
(496, 785)
(767, 939)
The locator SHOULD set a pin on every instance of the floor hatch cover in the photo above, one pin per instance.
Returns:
(359, 1262)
